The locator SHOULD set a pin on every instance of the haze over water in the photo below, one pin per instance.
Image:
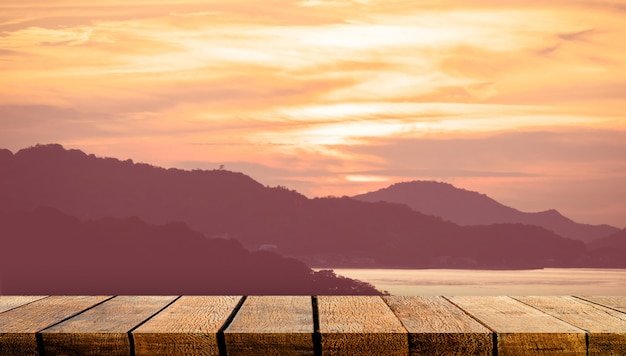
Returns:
(549, 281)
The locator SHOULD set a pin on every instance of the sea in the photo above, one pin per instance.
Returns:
(548, 281)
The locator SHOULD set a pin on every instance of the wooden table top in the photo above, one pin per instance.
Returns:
(312, 325)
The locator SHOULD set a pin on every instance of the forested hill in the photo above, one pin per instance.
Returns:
(47, 252)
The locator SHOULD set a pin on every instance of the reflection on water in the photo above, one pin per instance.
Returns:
(549, 281)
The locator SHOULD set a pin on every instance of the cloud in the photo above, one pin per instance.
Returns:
(8, 53)
(578, 35)
(545, 52)
(194, 14)
(33, 36)
(482, 91)
(507, 152)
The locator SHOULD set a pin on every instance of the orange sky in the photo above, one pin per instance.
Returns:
(520, 100)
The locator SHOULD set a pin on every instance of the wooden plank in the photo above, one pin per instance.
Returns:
(189, 326)
(8, 302)
(272, 325)
(617, 302)
(102, 330)
(18, 326)
(436, 327)
(606, 327)
(523, 330)
(360, 325)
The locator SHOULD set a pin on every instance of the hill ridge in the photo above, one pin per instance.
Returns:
(466, 207)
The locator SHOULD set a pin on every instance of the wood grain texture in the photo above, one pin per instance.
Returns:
(102, 330)
(606, 327)
(8, 302)
(522, 329)
(18, 326)
(272, 325)
(437, 327)
(360, 325)
(617, 302)
(189, 326)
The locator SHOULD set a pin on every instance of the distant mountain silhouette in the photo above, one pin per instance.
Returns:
(609, 251)
(323, 232)
(47, 252)
(466, 207)
(616, 240)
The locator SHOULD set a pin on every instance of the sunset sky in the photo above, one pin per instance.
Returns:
(524, 101)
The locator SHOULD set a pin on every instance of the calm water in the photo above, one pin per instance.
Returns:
(549, 281)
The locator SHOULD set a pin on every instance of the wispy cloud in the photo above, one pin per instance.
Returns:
(194, 14)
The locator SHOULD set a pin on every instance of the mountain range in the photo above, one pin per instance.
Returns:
(466, 207)
(322, 232)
